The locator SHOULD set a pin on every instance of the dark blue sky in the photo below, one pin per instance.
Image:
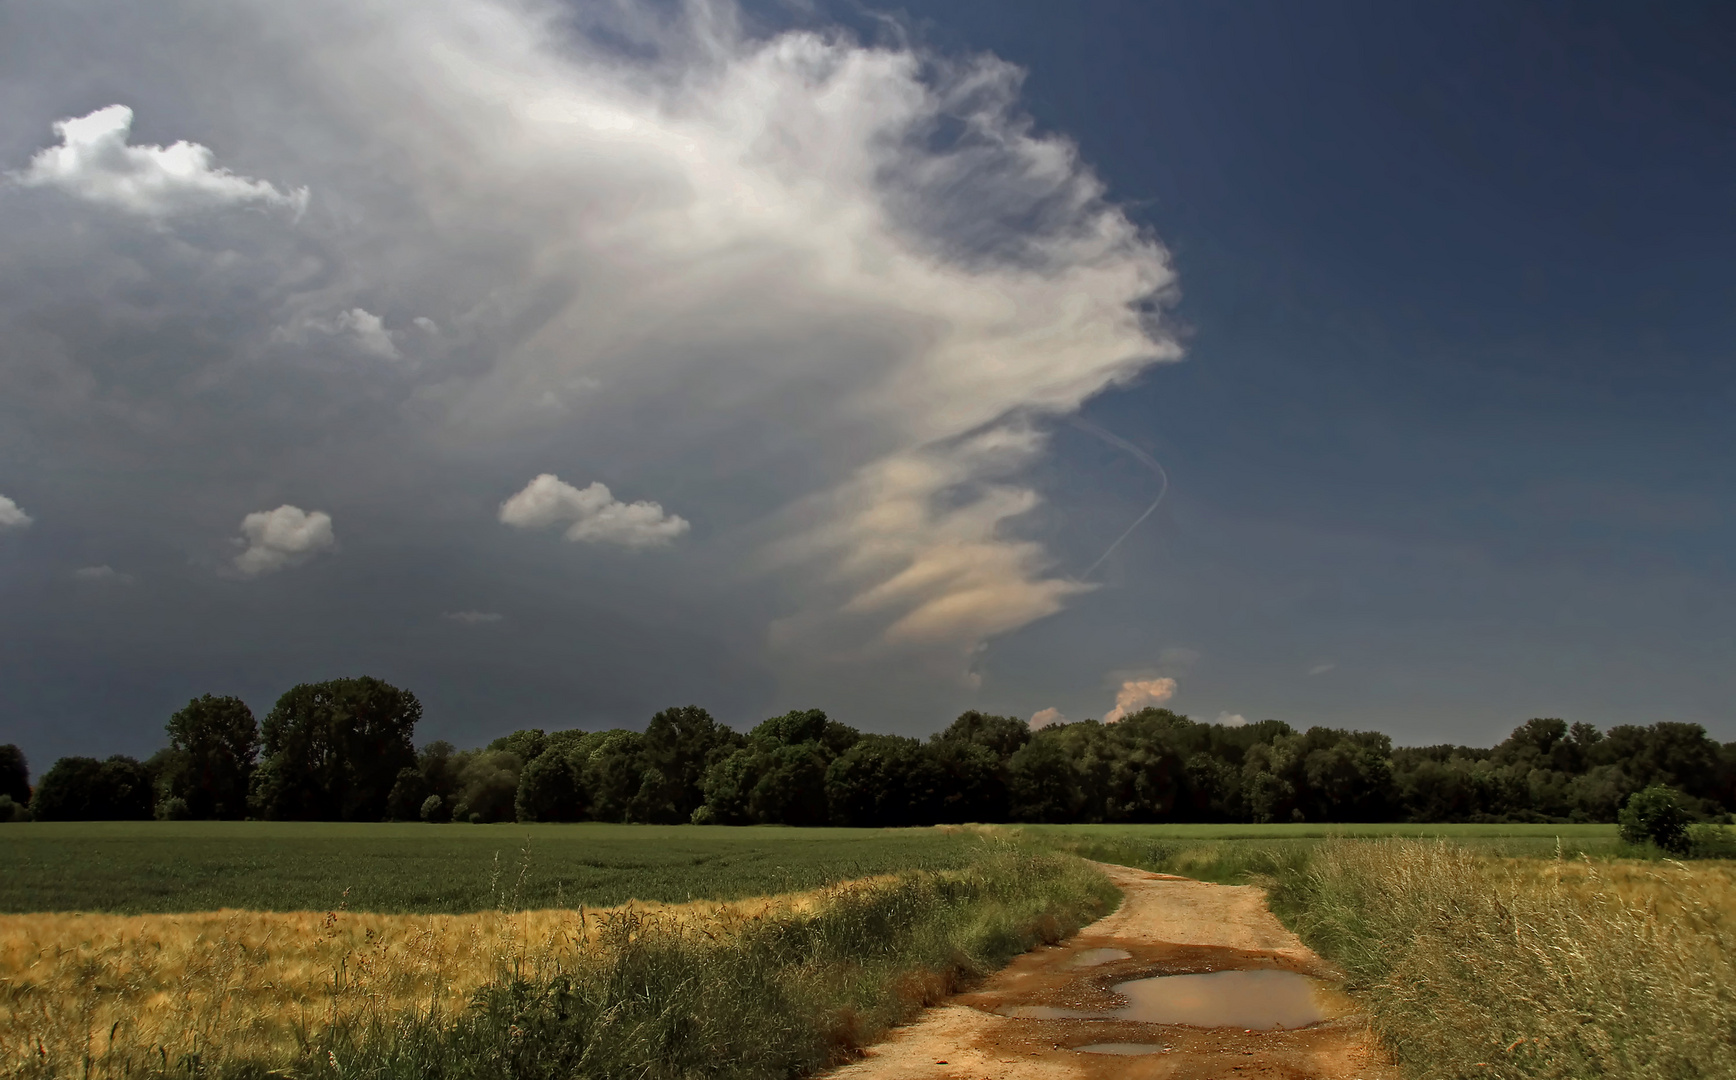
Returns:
(1458, 408)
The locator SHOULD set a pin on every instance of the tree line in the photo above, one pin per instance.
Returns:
(343, 751)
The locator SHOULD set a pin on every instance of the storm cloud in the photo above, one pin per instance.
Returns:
(819, 295)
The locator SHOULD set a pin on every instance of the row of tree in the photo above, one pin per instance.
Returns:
(343, 751)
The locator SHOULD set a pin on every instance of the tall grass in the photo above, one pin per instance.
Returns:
(777, 991)
(1479, 966)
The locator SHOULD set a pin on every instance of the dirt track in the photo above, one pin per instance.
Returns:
(1169, 926)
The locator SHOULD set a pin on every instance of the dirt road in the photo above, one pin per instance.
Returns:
(1053, 1014)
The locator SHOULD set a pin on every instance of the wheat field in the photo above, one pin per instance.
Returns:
(105, 991)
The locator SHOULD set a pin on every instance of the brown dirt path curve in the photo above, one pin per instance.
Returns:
(1169, 926)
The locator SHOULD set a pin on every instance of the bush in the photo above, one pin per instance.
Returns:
(85, 789)
(14, 774)
(12, 811)
(1657, 816)
(1711, 842)
(434, 810)
(174, 808)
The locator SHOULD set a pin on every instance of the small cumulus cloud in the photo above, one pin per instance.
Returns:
(592, 515)
(104, 572)
(1230, 719)
(367, 331)
(473, 618)
(1137, 694)
(12, 516)
(1043, 718)
(287, 536)
(95, 162)
(1321, 669)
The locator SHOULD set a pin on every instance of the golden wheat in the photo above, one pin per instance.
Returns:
(110, 989)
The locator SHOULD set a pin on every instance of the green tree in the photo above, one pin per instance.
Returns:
(527, 743)
(1041, 783)
(680, 745)
(85, 789)
(333, 750)
(1656, 815)
(551, 788)
(216, 745)
(884, 781)
(487, 786)
(613, 773)
(411, 790)
(1001, 735)
(14, 774)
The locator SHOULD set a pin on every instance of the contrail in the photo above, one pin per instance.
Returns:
(1144, 459)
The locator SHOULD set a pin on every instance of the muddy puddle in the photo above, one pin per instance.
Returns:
(1122, 1049)
(1264, 1000)
(1099, 957)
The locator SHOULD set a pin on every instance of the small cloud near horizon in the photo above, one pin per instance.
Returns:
(1044, 717)
(1230, 719)
(1137, 694)
(1321, 669)
(472, 618)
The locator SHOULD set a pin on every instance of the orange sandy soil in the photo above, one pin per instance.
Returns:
(1171, 926)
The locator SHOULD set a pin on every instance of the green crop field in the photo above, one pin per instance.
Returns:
(1523, 838)
(1232, 853)
(136, 867)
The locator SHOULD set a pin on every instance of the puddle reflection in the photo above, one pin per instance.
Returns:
(1260, 1000)
(1244, 999)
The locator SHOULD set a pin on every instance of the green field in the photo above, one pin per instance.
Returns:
(137, 867)
(148, 866)
(1231, 854)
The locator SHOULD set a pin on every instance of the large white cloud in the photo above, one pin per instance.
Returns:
(12, 516)
(592, 515)
(94, 161)
(280, 538)
(818, 294)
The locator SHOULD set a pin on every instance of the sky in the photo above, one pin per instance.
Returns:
(564, 362)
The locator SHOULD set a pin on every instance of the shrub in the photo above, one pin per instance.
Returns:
(85, 789)
(434, 810)
(1656, 815)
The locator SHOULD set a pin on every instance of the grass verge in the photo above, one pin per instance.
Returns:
(631, 992)
(1478, 966)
